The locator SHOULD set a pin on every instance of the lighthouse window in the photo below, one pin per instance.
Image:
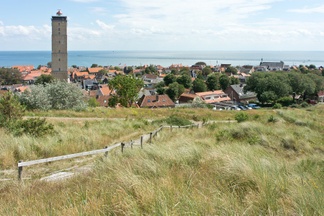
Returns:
(59, 59)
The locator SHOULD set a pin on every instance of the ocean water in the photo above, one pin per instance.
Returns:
(164, 58)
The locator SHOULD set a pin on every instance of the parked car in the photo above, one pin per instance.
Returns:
(242, 107)
(254, 106)
(235, 108)
(247, 107)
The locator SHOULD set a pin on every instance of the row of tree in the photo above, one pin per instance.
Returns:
(272, 86)
(174, 86)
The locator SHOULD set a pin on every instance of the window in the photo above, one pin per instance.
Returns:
(59, 69)
(59, 59)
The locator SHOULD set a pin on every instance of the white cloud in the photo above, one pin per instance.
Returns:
(98, 10)
(307, 10)
(104, 26)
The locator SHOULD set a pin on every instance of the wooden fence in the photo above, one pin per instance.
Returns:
(122, 145)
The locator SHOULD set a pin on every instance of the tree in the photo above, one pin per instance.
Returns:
(201, 64)
(224, 81)
(206, 71)
(9, 76)
(128, 70)
(231, 70)
(199, 85)
(168, 79)
(185, 80)
(234, 80)
(10, 109)
(55, 95)
(212, 82)
(44, 78)
(174, 91)
(127, 88)
(94, 65)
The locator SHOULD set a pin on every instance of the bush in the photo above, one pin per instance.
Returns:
(35, 127)
(304, 104)
(241, 117)
(285, 101)
(92, 102)
(277, 106)
(272, 119)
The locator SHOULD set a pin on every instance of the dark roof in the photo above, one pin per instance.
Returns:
(239, 90)
(273, 64)
(156, 101)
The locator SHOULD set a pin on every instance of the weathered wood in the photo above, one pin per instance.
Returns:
(19, 172)
(122, 147)
(141, 141)
(29, 163)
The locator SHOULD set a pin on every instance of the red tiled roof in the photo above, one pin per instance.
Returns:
(154, 101)
(105, 90)
(94, 70)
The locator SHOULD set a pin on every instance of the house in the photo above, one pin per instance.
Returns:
(211, 97)
(155, 101)
(247, 69)
(90, 84)
(104, 90)
(103, 100)
(151, 79)
(32, 76)
(236, 93)
(94, 70)
(273, 66)
(320, 96)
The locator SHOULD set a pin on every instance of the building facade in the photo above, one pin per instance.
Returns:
(59, 47)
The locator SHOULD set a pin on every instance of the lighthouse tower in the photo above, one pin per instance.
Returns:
(59, 47)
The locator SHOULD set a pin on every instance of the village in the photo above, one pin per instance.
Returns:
(93, 81)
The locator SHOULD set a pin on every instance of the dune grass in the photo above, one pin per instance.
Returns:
(255, 167)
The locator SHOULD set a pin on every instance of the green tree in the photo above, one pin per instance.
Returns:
(212, 82)
(94, 65)
(199, 85)
(128, 70)
(44, 78)
(234, 80)
(231, 70)
(10, 109)
(170, 78)
(55, 95)
(9, 76)
(127, 88)
(206, 71)
(224, 81)
(201, 63)
(174, 90)
(92, 102)
(185, 80)
(113, 101)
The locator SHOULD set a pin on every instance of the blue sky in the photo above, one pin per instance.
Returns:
(166, 24)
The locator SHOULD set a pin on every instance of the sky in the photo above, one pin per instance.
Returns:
(243, 25)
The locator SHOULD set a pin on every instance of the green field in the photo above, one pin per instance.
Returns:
(271, 164)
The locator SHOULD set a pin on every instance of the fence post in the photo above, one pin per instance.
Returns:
(141, 141)
(131, 144)
(122, 147)
(106, 153)
(171, 128)
(20, 169)
(151, 138)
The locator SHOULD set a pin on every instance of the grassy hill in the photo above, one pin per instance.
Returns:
(270, 164)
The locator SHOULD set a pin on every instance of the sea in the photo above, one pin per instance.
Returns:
(164, 58)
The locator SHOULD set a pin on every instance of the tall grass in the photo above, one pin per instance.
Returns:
(253, 168)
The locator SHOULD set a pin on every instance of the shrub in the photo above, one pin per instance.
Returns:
(272, 119)
(277, 106)
(241, 117)
(92, 102)
(35, 127)
(285, 101)
(304, 104)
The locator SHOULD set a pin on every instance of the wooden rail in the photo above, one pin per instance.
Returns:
(144, 138)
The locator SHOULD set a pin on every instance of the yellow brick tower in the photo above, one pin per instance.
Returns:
(59, 47)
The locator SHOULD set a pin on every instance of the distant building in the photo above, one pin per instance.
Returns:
(59, 47)
(273, 66)
(236, 93)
